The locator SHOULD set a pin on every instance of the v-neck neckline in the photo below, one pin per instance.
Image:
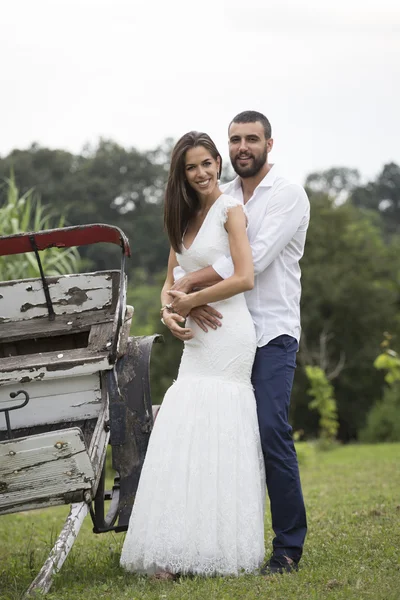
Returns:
(200, 228)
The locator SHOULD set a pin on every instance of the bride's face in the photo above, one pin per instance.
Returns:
(201, 170)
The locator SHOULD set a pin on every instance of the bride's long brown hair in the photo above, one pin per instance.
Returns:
(181, 202)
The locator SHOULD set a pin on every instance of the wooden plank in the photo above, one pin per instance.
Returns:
(99, 363)
(50, 362)
(101, 435)
(43, 470)
(97, 453)
(52, 389)
(24, 299)
(60, 550)
(63, 324)
(125, 330)
(87, 427)
(53, 401)
(101, 337)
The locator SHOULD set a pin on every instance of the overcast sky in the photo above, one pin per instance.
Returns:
(325, 72)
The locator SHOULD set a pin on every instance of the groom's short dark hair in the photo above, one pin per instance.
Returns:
(252, 116)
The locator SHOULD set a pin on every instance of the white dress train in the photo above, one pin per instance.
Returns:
(199, 507)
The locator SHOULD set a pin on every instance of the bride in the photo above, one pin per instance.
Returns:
(199, 507)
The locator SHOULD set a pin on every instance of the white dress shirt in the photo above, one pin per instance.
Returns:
(278, 215)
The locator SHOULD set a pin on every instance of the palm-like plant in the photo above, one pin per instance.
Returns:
(26, 213)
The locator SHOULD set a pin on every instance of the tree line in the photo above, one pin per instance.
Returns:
(350, 270)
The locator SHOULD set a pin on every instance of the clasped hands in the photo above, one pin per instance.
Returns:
(182, 304)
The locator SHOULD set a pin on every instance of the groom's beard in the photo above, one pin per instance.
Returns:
(253, 167)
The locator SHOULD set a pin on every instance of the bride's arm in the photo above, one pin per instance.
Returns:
(169, 280)
(243, 276)
(172, 320)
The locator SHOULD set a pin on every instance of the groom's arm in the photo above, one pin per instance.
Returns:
(205, 316)
(187, 282)
(287, 210)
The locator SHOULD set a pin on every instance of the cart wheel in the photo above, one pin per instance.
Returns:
(101, 521)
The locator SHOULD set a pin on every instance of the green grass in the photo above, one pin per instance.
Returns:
(352, 549)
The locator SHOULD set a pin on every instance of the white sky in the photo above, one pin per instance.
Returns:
(325, 72)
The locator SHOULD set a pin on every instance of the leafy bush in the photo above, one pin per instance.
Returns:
(389, 361)
(383, 420)
(324, 402)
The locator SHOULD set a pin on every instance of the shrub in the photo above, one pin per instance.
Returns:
(324, 402)
(383, 420)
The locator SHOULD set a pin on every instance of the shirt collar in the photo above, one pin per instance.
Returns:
(268, 180)
(270, 177)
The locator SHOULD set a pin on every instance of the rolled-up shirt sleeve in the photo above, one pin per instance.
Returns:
(288, 210)
(224, 267)
(178, 273)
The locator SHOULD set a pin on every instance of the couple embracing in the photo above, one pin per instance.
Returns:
(232, 294)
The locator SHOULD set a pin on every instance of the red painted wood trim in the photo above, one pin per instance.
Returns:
(65, 237)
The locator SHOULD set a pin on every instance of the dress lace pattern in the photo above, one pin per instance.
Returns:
(200, 503)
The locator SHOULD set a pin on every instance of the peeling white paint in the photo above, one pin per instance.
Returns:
(99, 364)
(52, 401)
(39, 473)
(69, 295)
(60, 550)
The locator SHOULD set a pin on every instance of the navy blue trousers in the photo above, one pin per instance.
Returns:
(272, 378)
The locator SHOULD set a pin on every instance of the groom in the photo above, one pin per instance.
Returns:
(278, 214)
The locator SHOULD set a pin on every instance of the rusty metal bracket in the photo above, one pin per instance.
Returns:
(7, 410)
(52, 314)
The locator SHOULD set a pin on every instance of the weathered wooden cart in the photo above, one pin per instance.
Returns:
(72, 381)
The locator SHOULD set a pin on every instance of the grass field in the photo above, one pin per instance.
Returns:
(352, 550)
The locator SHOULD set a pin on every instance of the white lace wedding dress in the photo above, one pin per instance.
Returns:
(199, 507)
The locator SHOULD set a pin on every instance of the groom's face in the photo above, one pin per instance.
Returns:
(248, 148)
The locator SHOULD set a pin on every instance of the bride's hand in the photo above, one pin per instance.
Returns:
(182, 303)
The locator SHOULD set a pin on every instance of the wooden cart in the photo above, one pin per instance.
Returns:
(72, 381)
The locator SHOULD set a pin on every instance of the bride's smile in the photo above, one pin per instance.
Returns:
(201, 171)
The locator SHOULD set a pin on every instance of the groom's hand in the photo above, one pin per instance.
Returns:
(206, 316)
(184, 284)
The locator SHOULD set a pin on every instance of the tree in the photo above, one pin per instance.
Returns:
(349, 290)
(107, 184)
(382, 196)
(337, 182)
